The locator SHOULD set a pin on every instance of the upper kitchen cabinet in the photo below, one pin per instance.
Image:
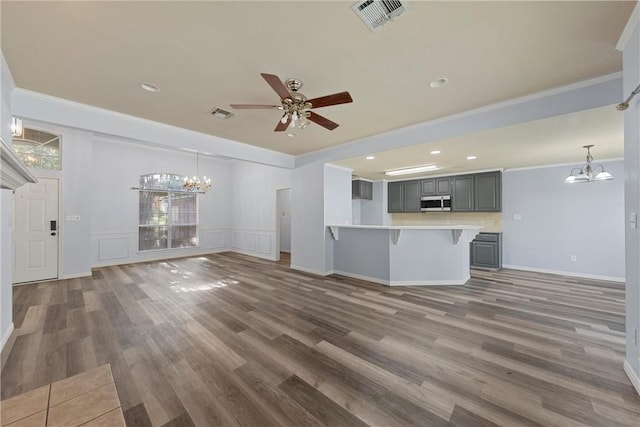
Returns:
(436, 187)
(412, 196)
(396, 197)
(361, 189)
(487, 192)
(462, 193)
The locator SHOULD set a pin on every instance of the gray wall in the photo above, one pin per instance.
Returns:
(559, 220)
(631, 74)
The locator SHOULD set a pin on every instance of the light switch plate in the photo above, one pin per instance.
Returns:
(517, 217)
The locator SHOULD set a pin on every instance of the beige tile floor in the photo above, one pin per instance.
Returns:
(86, 399)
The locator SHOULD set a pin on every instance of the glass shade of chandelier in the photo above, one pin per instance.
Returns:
(585, 173)
(194, 183)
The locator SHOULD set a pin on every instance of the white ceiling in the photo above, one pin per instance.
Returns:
(210, 54)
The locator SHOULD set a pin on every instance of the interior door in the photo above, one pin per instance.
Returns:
(35, 231)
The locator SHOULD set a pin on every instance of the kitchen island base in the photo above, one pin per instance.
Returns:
(403, 255)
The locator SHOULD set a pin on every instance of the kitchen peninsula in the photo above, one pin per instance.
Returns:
(403, 255)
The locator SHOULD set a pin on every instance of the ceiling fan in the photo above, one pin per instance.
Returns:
(296, 106)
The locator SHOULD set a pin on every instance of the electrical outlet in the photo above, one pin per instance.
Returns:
(517, 217)
(574, 258)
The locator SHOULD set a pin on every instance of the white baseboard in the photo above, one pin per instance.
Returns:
(404, 282)
(310, 270)
(253, 253)
(633, 376)
(76, 275)
(6, 336)
(565, 273)
(158, 256)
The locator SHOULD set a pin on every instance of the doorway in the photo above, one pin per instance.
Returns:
(283, 224)
(36, 231)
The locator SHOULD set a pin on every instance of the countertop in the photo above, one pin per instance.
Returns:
(410, 227)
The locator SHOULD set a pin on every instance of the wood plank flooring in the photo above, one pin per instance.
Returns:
(229, 340)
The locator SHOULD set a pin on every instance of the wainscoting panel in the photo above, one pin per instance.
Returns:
(113, 248)
(254, 242)
(244, 240)
(264, 243)
(212, 239)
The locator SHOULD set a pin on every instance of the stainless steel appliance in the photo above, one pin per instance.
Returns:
(435, 203)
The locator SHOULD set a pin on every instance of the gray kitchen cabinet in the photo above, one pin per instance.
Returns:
(436, 187)
(361, 189)
(412, 196)
(443, 186)
(486, 251)
(487, 192)
(462, 193)
(428, 187)
(395, 197)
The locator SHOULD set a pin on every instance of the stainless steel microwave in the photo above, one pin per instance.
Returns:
(435, 203)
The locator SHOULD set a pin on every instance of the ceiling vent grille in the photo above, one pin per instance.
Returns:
(377, 13)
(220, 113)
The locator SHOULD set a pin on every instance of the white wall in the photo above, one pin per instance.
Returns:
(559, 220)
(337, 205)
(6, 209)
(376, 210)
(307, 225)
(253, 204)
(117, 167)
(631, 67)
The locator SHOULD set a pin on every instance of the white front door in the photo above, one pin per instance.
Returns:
(35, 231)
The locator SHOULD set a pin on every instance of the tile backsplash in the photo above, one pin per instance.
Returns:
(491, 221)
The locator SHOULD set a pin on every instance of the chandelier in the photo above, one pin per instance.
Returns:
(585, 173)
(194, 183)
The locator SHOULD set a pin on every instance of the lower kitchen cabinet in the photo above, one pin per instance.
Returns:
(486, 251)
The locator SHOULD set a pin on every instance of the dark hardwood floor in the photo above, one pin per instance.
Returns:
(228, 340)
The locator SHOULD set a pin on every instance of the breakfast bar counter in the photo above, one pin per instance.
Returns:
(403, 255)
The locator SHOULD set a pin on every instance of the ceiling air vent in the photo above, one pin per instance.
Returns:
(220, 113)
(377, 13)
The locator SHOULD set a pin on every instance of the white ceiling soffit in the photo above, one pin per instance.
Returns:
(543, 142)
(206, 54)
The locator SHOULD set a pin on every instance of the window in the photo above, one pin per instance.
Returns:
(168, 215)
(38, 149)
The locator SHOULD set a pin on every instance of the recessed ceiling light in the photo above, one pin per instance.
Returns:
(471, 157)
(414, 169)
(371, 157)
(291, 135)
(439, 82)
(149, 87)
(435, 152)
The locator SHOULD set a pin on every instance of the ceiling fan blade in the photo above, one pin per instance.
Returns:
(283, 126)
(335, 99)
(255, 106)
(277, 85)
(322, 121)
